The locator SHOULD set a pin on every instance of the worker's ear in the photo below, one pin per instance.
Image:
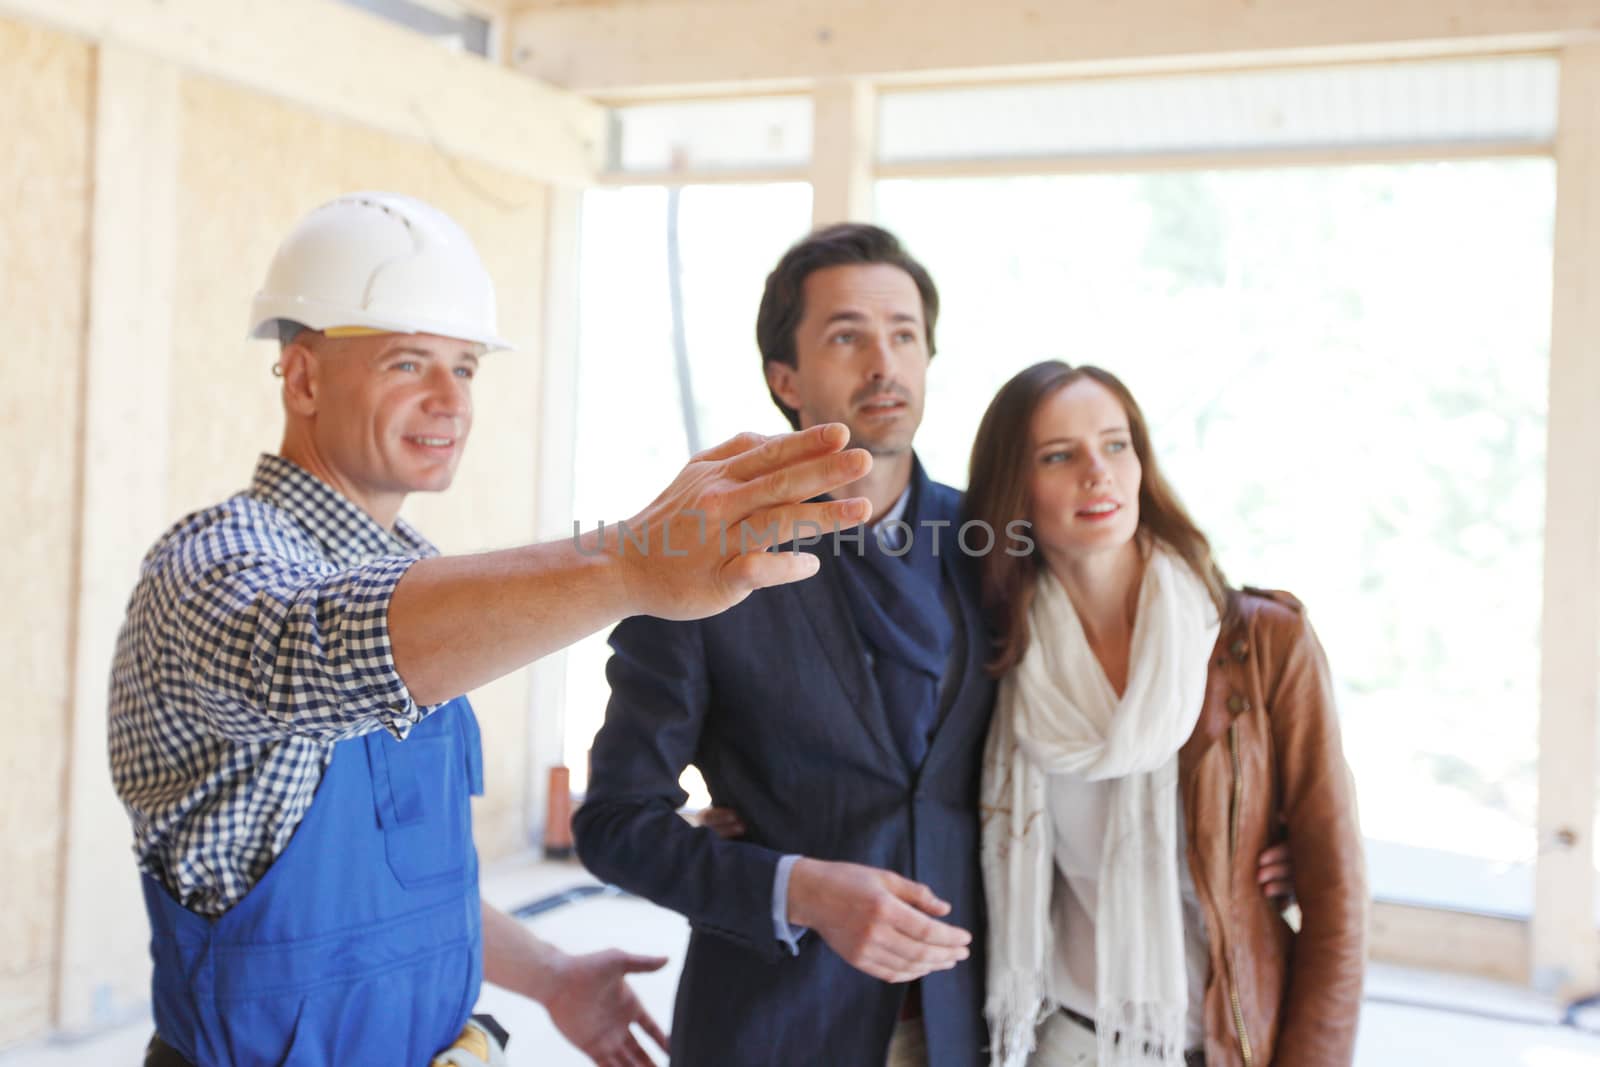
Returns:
(299, 367)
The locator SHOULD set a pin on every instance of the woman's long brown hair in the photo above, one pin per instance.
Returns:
(997, 493)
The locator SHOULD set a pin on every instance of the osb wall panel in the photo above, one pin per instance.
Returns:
(249, 168)
(45, 82)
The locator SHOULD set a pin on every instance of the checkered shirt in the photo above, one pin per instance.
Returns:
(256, 638)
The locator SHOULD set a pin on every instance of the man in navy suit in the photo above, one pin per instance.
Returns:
(843, 719)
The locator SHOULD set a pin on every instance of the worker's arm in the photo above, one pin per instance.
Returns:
(587, 996)
(458, 622)
(272, 644)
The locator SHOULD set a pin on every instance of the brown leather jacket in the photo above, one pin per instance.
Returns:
(1267, 743)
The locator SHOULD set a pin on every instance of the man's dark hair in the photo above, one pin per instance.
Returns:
(783, 301)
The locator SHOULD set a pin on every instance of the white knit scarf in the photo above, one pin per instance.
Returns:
(1058, 714)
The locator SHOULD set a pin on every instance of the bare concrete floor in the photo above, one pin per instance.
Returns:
(1411, 1018)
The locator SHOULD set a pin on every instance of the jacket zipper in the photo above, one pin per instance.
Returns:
(1236, 803)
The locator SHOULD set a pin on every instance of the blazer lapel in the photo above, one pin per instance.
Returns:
(823, 603)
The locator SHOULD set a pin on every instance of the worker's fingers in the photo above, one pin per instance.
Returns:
(784, 450)
(651, 1027)
(799, 481)
(632, 964)
(800, 524)
(634, 1055)
(759, 570)
(736, 445)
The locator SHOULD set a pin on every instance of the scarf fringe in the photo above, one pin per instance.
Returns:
(1138, 1034)
(1014, 1013)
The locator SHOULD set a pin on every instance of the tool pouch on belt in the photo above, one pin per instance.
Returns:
(482, 1044)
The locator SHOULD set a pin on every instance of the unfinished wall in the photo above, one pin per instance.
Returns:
(239, 167)
(45, 86)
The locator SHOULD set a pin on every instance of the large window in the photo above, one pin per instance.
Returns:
(1345, 370)
(640, 357)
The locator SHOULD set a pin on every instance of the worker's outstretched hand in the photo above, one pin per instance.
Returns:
(594, 1007)
(699, 547)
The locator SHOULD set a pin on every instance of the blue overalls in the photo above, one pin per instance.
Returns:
(362, 944)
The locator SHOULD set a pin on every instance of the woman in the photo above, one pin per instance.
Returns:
(1153, 725)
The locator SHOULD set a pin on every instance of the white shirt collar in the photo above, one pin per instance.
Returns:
(893, 536)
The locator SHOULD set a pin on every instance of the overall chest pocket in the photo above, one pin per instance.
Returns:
(421, 788)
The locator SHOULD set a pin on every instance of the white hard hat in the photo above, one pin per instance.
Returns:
(379, 262)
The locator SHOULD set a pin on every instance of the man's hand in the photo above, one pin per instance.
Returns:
(724, 822)
(1275, 873)
(877, 921)
(593, 1007)
(587, 996)
(699, 547)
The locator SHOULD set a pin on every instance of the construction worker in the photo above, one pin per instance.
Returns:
(287, 730)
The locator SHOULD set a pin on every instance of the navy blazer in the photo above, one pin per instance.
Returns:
(775, 703)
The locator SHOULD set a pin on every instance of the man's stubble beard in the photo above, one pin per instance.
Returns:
(884, 449)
